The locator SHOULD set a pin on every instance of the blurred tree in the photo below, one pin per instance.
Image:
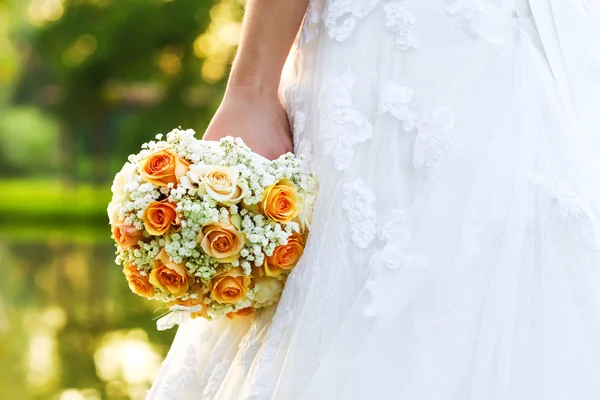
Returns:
(116, 73)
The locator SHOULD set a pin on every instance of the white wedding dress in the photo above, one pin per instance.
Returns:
(455, 247)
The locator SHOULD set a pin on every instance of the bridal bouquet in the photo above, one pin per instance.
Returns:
(210, 228)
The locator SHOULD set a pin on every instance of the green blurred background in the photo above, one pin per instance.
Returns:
(82, 84)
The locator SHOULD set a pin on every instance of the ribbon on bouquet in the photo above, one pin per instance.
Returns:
(177, 315)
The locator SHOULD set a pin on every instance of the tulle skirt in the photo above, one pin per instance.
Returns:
(454, 252)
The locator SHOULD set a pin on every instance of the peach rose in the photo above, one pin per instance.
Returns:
(285, 257)
(244, 312)
(137, 283)
(159, 216)
(126, 236)
(162, 168)
(268, 290)
(113, 212)
(221, 183)
(305, 216)
(168, 276)
(281, 202)
(124, 176)
(229, 287)
(222, 240)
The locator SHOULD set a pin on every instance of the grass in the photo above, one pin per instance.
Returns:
(52, 202)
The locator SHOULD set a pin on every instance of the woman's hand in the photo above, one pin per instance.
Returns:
(260, 121)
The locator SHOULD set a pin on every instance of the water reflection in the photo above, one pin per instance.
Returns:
(70, 329)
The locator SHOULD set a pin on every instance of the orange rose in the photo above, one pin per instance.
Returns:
(281, 202)
(159, 217)
(222, 240)
(162, 168)
(168, 276)
(229, 287)
(137, 283)
(244, 312)
(285, 257)
(126, 236)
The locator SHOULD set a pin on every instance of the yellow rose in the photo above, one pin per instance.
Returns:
(159, 216)
(281, 202)
(268, 291)
(222, 240)
(137, 283)
(229, 287)
(221, 183)
(162, 168)
(168, 276)
(285, 257)
(244, 312)
(126, 236)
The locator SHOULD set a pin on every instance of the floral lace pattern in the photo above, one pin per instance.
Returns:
(400, 20)
(358, 203)
(470, 13)
(341, 17)
(570, 206)
(296, 114)
(392, 230)
(179, 383)
(434, 129)
(312, 25)
(342, 127)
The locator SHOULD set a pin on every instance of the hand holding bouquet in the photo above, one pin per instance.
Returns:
(210, 228)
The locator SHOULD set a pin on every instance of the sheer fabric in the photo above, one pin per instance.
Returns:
(455, 249)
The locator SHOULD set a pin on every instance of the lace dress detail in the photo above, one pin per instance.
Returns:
(470, 13)
(358, 203)
(342, 16)
(392, 230)
(342, 127)
(400, 20)
(180, 382)
(312, 25)
(434, 129)
(445, 260)
(570, 207)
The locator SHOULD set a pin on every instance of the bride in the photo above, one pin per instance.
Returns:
(455, 246)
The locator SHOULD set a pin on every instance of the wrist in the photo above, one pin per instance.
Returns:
(251, 88)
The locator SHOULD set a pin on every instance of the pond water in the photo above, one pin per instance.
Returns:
(70, 329)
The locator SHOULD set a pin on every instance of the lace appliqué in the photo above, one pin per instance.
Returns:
(570, 206)
(296, 115)
(470, 12)
(401, 21)
(342, 16)
(434, 130)
(304, 150)
(392, 230)
(489, 22)
(312, 25)
(342, 127)
(177, 384)
(358, 203)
